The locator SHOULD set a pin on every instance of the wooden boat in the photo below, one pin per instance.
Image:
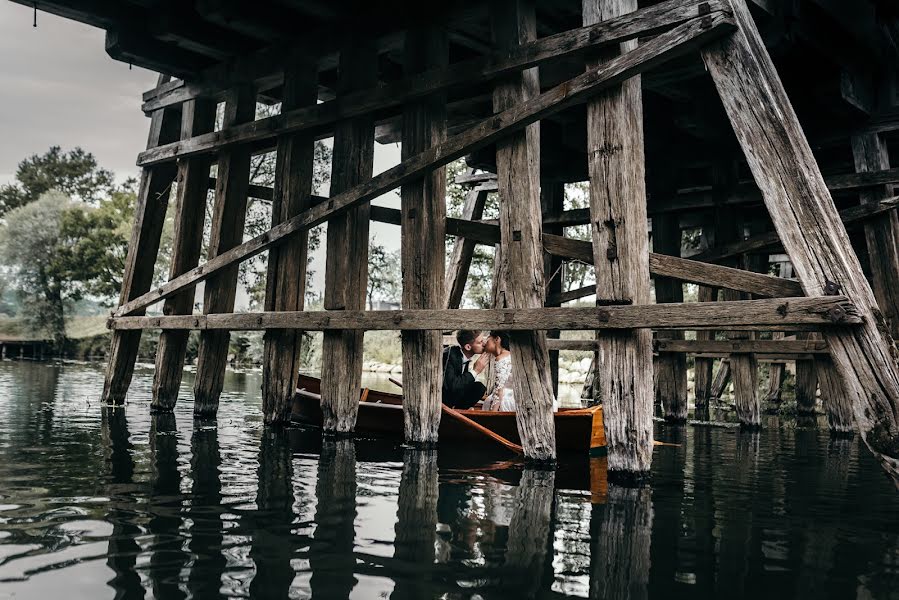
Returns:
(381, 414)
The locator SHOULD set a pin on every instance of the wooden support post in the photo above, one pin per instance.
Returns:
(463, 250)
(198, 117)
(721, 381)
(808, 224)
(776, 371)
(346, 267)
(616, 164)
(882, 232)
(149, 218)
(286, 277)
(702, 374)
(670, 367)
(806, 380)
(833, 397)
(514, 22)
(228, 218)
(552, 199)
(422, 249)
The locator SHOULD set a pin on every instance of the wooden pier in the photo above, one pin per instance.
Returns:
(743, 120)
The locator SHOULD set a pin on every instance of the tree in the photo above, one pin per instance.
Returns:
(75, 173)
(384, 278)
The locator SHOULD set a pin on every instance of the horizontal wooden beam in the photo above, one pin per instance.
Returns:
(325, 115)
(669, 45)
(771, 314)
(742, 346)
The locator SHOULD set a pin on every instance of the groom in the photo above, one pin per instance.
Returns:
(460, 390)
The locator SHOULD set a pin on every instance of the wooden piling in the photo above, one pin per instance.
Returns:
(346, 266)
(670, 367)
(286, 276)
(806, 380)
(620, 247)
(703, 367)
(834, 398)
(198, 117)
(423, 229)
(514, 22)
(809, 227)
(228, 218)
(149, 218)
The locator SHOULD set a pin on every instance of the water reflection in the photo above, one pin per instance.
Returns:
(99, 502)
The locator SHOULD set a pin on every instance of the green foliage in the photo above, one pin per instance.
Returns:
(384, 278)
(74, 173)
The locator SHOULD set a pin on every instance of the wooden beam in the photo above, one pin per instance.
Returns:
(670, 371)
(771, 314)
(463, 249)
(726, 347)
(807, 222)
(661, 48)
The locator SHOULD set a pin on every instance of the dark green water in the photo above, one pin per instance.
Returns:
(101, 503)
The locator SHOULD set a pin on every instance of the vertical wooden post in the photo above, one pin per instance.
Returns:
(775, 375)
(149, 218)
(882, 232)
(228, 219)
(809, 227)
(286, 277)
(197, 118)
(702, 369)
(806, 380)
(616, 164)
(463, 250)
(670, 367)
(346, 267)
(833, 397)
(552, 199)
(423, 231)
(518, 178)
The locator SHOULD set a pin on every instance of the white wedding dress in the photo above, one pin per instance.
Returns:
(502, 397)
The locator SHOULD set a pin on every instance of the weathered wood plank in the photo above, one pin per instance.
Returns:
(228, 218)
(744, 372)
(422, 250)
(286, 275)
(703, 368)
(833, 396)
(198, 116)
(743, 346)
(368, 100)
(552, 201)
(806, 380)
(670, 370)
(808, 224)
(665, 47)
(463, 250)
(520, 276)
(774, 314)
(346, 265)
(149, 218)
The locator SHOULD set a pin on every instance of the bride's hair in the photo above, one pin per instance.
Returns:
(503, 338)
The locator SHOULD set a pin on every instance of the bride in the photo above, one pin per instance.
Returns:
(501, 397)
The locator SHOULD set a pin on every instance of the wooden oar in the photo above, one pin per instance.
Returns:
(474, 425)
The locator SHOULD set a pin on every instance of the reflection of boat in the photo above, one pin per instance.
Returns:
(381, 413)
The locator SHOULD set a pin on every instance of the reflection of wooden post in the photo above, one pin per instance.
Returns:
(833, 397)
(416, 525)
(518, 179)
(616, 164)
(346, 265)
(198, 117)
(228, 217)
(423, 229)
(149, 218)
(621, 531)
(331, 551)
(807, 223)
(529, 533)
(168, 558)
(670, 367)
(552, 199)
(206, 501)
(286, 277)
(806, 380)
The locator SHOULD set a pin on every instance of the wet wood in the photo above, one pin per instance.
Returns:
(198, 116)
(146, 231)
(616, 165)
(286, 273)
(833, 397)
(658, 50)
(807, 222)
(228, 217)
(346, 265)
(423, 229)
(520, 277)
(670, 369)
(881, 233)
(806, 381)
(769, 314)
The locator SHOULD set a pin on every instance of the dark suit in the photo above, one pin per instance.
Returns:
(460, 390)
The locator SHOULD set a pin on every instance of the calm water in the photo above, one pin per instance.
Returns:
(101, 503)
